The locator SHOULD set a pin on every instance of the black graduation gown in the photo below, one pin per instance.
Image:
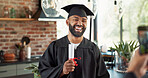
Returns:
(91, 64)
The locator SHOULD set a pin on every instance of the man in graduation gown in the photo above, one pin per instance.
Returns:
(55, 63)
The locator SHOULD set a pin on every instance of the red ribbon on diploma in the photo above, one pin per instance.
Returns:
(79, 58)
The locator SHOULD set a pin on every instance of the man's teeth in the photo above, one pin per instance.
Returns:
(78, 28)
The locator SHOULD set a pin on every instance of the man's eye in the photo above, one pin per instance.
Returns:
(84, 21)
(76, 20)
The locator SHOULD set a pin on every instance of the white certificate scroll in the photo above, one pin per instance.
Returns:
(71, 51)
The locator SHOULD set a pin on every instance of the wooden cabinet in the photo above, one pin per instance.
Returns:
(9, 70)
(15, 69)
(20, 69)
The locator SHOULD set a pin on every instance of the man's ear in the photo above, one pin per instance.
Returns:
(67, 22)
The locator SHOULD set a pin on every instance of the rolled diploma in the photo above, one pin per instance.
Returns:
(71, 51)
(29, 53)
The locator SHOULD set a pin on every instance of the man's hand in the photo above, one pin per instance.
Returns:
(138, 64)
(69, 66)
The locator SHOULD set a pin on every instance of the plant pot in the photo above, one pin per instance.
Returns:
(36, 75)
(121, 63)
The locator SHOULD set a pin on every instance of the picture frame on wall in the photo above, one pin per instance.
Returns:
(49, 8)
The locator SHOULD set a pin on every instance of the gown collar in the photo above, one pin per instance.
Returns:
(84, 44)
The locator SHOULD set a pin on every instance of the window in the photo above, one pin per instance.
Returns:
(134, 12)
(108, 23)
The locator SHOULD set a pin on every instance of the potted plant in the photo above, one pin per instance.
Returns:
(34, 69)
(124, 52)
(20, 47)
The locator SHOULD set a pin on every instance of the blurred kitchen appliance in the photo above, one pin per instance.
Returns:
(1, 56)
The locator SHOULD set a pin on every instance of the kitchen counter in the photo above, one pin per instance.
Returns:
(17, 68)
(19, 62)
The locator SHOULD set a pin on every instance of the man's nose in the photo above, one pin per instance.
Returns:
(79, 22)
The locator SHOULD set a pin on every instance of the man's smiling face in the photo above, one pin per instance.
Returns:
(77, 25)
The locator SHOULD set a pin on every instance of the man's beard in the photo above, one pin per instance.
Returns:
(75, 33)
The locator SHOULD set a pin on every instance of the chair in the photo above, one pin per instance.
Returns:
(109, 58)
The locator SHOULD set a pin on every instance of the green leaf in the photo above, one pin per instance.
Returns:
(29, 68)
(125, 49)
(33, 65)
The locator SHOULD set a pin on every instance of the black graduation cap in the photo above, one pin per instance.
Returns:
(77, 9)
